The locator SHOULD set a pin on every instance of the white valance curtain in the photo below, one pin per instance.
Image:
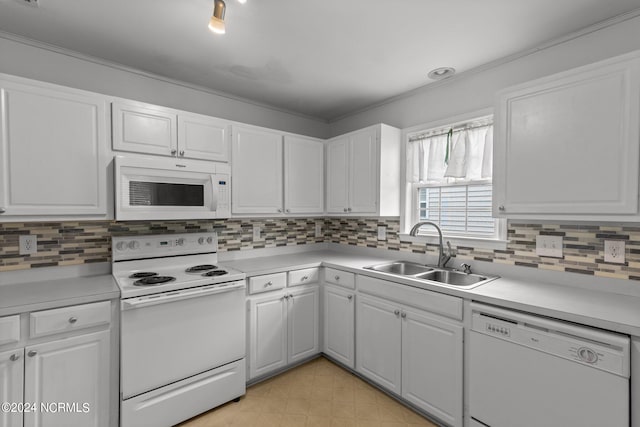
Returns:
(459, 155)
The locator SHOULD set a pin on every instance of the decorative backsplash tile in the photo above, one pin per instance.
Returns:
(69, 243)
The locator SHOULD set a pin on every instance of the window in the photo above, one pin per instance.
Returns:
(449, 171)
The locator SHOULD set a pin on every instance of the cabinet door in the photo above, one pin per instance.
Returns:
(303, 175)
(143, 128)
(302, 323)
(74, 371)
(568, 144)
(202, 137)
(338, 175)
(363, 176)
(339, 318)
(256, 171)
(52, 151)
(11, 383)
(432, 365)
(267, 334)
(378, 342)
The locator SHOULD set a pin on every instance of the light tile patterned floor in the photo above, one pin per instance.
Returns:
(318, 393)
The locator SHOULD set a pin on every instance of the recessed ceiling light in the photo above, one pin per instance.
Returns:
(441, 73)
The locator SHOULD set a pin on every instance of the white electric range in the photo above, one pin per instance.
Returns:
(183, 335)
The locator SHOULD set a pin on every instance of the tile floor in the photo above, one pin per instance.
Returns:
(318, 393)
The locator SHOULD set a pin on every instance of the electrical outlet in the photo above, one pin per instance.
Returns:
(550, 246)
(256, 232)
(318, 229)
(28, 244)
(614, 251)
(382, 232)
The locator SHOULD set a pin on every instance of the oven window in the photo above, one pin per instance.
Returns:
(165, 194)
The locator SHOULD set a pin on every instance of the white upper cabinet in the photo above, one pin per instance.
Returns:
(275, 173)
(53, 150)
(568, 144)
(256, 171)
(303, 175)
(150, 129)
(363, 172)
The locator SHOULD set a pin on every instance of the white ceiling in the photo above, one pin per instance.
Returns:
(321, 58)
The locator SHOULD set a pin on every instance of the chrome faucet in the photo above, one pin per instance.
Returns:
(443, 258)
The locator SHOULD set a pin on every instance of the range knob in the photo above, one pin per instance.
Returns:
(134, 244)
(121, 246)
(209, 240)
(201, 240)
(180, 242)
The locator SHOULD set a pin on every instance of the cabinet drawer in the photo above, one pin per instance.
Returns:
(303, 277)
(267, 282)
(66, 319)
(9, 329)
(341, 278)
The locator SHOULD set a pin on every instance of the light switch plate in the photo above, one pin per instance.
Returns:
(550, 246)
(614, 251)
(382, 232)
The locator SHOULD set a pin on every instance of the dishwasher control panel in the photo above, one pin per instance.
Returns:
(588, 346)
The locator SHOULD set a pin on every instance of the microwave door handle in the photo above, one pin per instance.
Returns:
(214, 193)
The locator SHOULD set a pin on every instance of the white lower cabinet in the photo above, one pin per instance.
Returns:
(73, 372)
(339, 325)
(11, 384)
(412, 353)
(283, 328)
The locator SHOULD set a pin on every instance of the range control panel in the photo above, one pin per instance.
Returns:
(137, 247)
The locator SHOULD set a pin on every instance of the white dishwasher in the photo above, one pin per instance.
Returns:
(526, 370)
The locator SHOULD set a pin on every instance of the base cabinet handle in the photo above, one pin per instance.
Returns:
(396, 312)
(32, 353)
(14, 357)
(350, 297)
(2, 210)
(73, 320)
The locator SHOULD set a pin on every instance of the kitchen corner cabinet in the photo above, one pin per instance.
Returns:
(363, 172)
(275, 173)
(283, 328)
(567, 146)
(339, 324)
(150, 129)
(53, 151)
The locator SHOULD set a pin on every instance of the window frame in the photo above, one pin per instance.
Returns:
(409, 205)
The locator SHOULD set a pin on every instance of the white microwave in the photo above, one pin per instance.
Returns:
(150, 188)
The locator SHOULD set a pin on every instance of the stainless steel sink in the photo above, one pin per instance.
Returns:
(412, 270)
(401, 268)
(453, 278)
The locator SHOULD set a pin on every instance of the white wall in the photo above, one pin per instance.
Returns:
(475, 90)
(35, 62)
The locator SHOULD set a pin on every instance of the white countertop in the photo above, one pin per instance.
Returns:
(600, 309)
(22, 297)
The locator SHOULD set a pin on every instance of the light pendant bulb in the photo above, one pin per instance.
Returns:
(216, 23)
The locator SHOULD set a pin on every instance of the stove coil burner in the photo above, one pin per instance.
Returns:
(141, 274)
(154, 280)
(214, 273)
(201, 268)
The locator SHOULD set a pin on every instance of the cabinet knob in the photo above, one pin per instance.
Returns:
(269, 283)
(501, 208)
(291, 296)
(280, 210)
(14, 357)
(2, 210)
(345, 209)
(349, 209)
(73, 319)
(287, 211)
(173, 152)
(304, 278)
(396, 312)
(286, 297)
(182, 153)
(32, 353)
(350, 297)
(403, 315)
(337, 277)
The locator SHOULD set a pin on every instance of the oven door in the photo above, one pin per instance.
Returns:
(160, 188)
(171, 336)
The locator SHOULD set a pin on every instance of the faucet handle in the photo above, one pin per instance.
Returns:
(466, 268)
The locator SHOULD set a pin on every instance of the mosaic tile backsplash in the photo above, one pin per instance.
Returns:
(72, 243)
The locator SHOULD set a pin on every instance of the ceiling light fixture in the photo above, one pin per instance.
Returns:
(441, 73)
(216, 23)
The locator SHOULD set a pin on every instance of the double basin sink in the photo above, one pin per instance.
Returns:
(417, 271)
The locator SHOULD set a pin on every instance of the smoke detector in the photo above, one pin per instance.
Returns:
(441, 73)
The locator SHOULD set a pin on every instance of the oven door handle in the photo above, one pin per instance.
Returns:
(146, 301)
